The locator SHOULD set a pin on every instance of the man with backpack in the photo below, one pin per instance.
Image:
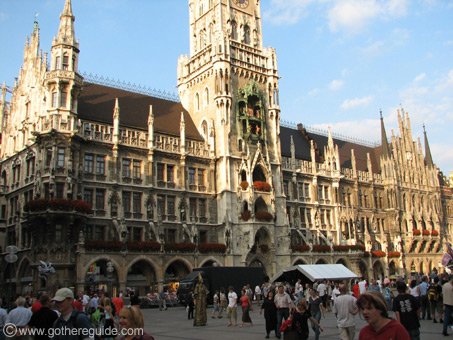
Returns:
(434, 293)
(70, 319)
(407, 310)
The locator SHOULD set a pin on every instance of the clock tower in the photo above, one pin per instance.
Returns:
(229, 85)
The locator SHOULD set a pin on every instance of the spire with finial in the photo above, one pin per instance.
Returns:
(428, 157)
(384, 140)
(66, 33)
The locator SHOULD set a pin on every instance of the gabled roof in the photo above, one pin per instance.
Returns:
(96, 103)
(302, 147)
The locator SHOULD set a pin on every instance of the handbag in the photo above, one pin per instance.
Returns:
(286, 325)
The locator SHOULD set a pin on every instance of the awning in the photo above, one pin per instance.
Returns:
(313, 272)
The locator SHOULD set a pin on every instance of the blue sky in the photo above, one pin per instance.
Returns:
(340, 61)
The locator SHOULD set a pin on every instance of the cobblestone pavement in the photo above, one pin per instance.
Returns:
(173, 324)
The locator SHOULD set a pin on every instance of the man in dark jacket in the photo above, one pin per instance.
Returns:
(43, 318)
(407, 310)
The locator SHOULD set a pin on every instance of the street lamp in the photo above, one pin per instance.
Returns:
(110, 270)
(11, 258)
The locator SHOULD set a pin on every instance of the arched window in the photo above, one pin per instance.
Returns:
(234, 30)
(206, 97)
(247, 34)
(197, 101)
(204, 127)
(65, 62)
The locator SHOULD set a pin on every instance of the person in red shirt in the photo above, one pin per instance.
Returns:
(77, 305)
(356, 289)
(373, 307)
(118, 303)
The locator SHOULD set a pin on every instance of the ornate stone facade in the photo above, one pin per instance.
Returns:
(118, 188)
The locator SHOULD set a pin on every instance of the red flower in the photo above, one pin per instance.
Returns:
(416, 232)
(377, 253)
(263, 215)
(212, 248)
(245, 215)
(244, 185)
(393, 254)
(434, 233)
(262, 186)
(300, 248)
(321, 248)
(426, 232)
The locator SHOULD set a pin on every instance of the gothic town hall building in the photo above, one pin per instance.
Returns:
(120, 188)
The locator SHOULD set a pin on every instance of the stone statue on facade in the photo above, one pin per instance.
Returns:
(200, 296)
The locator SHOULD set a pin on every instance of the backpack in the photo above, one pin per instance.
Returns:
(432, 293)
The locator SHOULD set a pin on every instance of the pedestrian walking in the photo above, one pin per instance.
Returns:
(216, 304)
(69, 318)
(345, 309)
(19, 316)
(190, 305)
(223, 302)
(434, 294)
(300, 318)
(284, 303)
(270, 313)
(245, 305)
(447, 293)
(316, 309)
(232, 307)
(407, 310)
(380, 327)
(424, 302)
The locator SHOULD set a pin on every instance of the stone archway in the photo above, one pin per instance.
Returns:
(363, 268)
(343, 262)
(102, 275)
(378, 270)
(175, 271)
(141, 277)
(210, 263)
(25, 277)
(260, 253)
(392, 269)
(321, 261)
(299, 261)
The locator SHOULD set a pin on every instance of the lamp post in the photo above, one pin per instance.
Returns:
(11, 258)
(110, 270)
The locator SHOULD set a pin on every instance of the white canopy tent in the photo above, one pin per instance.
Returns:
(314, 272)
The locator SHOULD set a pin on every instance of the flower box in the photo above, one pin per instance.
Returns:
(183, 247)
(263, 216)
(377, 253)
(434, 233)
(245, 215)
(212, 248)
(321, 248)
(301, 248)
(244, 185)
(342, 247)
(416, 232)
(262, 186)
(358, 247)
(426, 232)
(393, 254)
(104, 245)
(58, 205)
(143, 246)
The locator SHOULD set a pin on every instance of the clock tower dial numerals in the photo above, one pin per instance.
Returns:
(241, 3)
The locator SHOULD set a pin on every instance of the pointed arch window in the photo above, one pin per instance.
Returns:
(197, 101)
(234, 30)
(206, 97)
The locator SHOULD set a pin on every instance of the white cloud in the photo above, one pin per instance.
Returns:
(356, 102)
(419, 77)
(314, 92)
(352, 15)
(374, 49)
(336, 84)
(286, 12)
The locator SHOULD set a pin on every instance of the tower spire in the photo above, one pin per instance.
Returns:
(66, 30)
(384, 140)
(428, 157)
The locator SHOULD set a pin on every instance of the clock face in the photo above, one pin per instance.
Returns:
(241, 3)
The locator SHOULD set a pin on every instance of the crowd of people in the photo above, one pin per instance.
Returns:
(66, 316)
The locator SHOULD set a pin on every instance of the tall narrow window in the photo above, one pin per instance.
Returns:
(160, 172)
(65, 62)
(63, 99)
(191, 176)
(100, 199)
(127, 202)
(48, 156)
(54, 99)
(126, 167)
(247, 34)
(88, 163)
(201, 177)
(170, 174)
(136, 168)
(100, 165)
(57, 62)
(60, 157)
(234, 30)
(88, 196)
(59, 192)
(171, 206)
(137, 202)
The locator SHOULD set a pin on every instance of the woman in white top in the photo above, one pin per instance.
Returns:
(414, 289)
